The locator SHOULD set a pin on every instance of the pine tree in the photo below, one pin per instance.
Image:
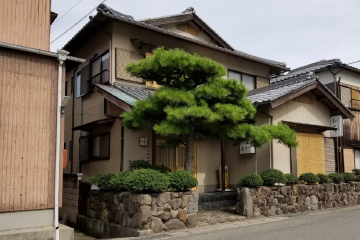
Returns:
(195, 102)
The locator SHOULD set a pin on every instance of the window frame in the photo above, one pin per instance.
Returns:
(78, 84)
(241, 77)
(357, 100)
(107, 157)
(100, 73)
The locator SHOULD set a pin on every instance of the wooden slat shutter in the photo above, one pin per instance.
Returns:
(349, 160)
(355, 97)
(84, 148)
(329, 155)
(85, 79)
(151, 84)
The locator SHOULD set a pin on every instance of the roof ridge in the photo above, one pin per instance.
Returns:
(321, 62)
(309, 76)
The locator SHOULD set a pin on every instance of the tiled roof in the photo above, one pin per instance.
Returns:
(277, 90)
(118, 94)
(133, 91)
(313, 67)
(106, 11)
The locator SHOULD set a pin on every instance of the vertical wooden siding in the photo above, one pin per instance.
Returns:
(28, 89)
(25, 23)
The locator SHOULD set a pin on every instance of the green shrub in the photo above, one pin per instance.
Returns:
(117, 181)
(102, 181)
(161, 168)
(348, 177)
(139, 164)
(146, 180)
(251, 180)
(181, 180)
(309, 178)
(336, 177)
(273, 176)
(356, 171)
(324, 178)
(291, 179)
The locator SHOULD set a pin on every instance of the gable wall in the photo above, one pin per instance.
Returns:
(317, 114)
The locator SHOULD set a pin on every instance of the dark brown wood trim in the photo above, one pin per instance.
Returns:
(334, 101)
(292, 95)
(112, 98)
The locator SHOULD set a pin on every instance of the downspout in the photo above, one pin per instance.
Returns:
(72, 115)
(340, 166)
(62, 56)
(271, 143)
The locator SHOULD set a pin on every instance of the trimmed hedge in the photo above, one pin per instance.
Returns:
(348, 177)
(336, 177)
(356, 171)
(181, 180)
(139, 164)
(273, 176)
(324, 178)
(251, 180)
(102, 181)
(117, 181)
(146, 180)
(290, 179)
(309, 178)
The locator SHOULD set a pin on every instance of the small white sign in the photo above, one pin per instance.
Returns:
(246, 148)
(336, 122)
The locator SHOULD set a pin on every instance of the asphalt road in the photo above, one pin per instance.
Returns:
(333, 225)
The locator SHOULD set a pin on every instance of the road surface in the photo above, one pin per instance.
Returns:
(339, 224)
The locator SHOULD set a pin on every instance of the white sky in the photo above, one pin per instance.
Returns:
(297, 32)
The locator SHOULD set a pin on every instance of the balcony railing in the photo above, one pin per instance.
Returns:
(100, 78)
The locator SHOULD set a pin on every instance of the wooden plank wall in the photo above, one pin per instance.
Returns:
(28, 89)
(26, 23)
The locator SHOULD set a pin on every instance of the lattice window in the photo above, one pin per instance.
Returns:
(123, 57)
(262, 82)
(186, 27)
(304, 98)
(345, 94)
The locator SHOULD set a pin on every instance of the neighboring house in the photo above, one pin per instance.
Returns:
(29, 81)
(102, 90)
(306, 105)
(348, 91)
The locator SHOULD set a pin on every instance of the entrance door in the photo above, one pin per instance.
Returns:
(173, 158)
(349, 160)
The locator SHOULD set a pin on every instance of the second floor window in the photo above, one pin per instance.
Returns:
(355, 99)
(78, 84)
(246, 79)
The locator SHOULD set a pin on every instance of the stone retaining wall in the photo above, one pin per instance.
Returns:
(158, 212)
(278, 200)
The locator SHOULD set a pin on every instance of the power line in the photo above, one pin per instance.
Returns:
(352, 62)
(75, 24)
(66, 13)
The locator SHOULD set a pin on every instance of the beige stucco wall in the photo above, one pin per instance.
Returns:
(317, 114)
(132, 150)
(208, 162)
(202, 36)
(347, 76)
(122, 33)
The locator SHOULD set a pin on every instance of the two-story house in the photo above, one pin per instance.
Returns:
(31, 155)
(346, 80)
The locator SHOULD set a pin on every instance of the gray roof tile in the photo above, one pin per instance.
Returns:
(134, 91)
(104, 9)
(313, 67)
(277, 90)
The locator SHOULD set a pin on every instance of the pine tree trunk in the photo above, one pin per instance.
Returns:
(190, 151)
